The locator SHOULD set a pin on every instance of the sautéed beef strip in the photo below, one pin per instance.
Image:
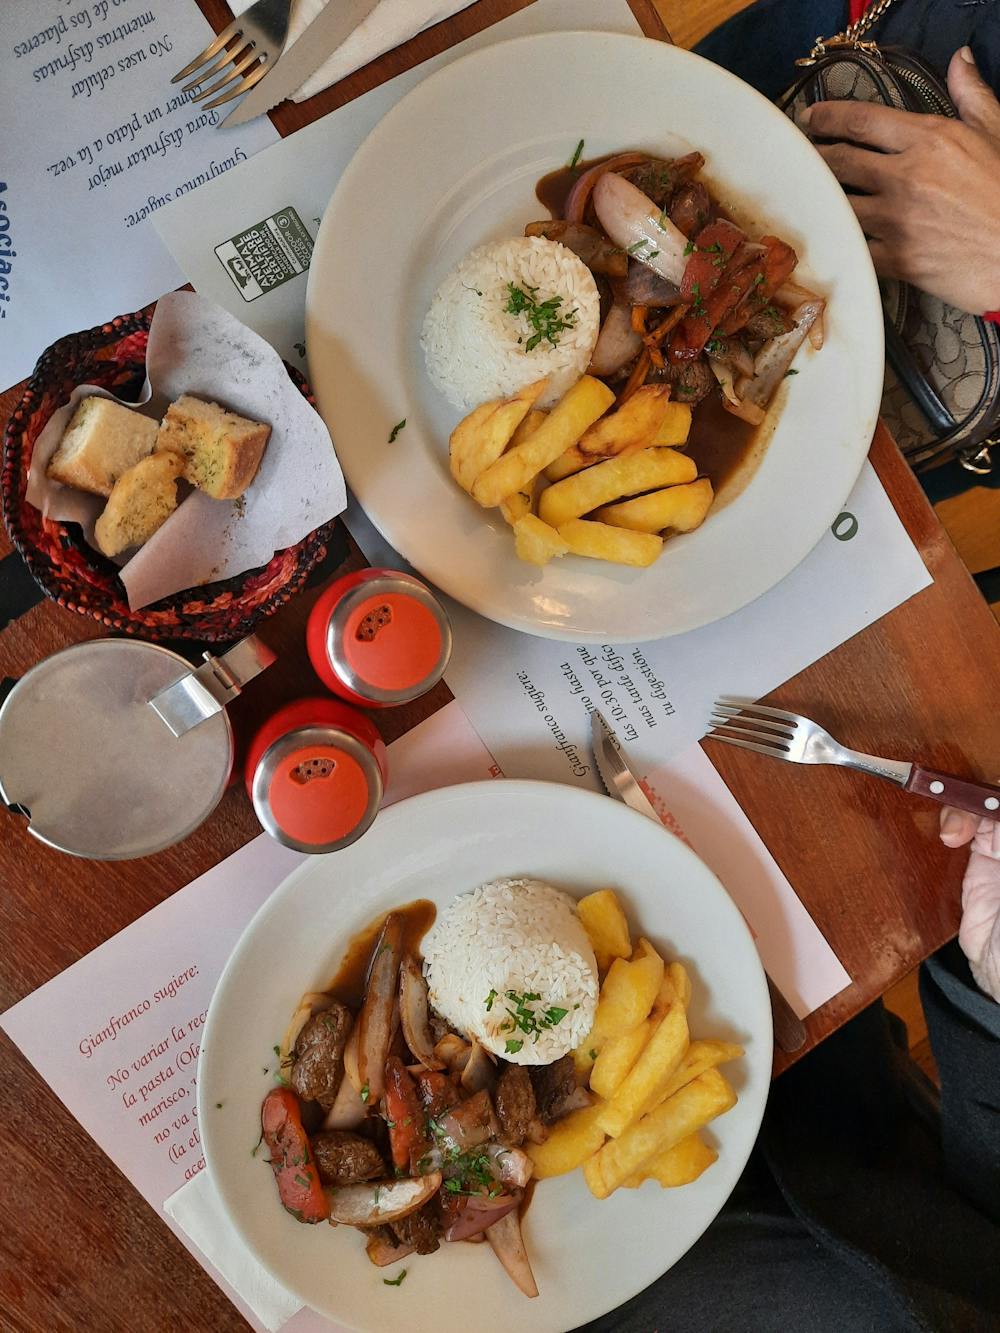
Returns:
(319, 1055)
(691, 208)
(516, 1106)
(420, 1231)
(345, 1159)
(708, 312)
(589, 245)
(438, 1093)
(659, 178)
(644, 287)
(770, 322)
(553, 1085)
(778, 262)
(691, 381)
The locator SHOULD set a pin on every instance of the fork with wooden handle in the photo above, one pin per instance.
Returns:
(784, 735)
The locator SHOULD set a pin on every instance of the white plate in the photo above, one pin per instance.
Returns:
(454, 164)
(588, 1255)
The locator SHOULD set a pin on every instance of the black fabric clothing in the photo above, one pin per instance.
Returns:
(861, 1210)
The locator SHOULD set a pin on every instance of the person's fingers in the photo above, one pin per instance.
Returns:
(957, 826)
(987, 839)
(887, 265)
(859, 167)
(975, 99)
(862, 122)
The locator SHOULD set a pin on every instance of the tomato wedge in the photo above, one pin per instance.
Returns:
(737, 279)
(778, 263)
(292, 1162)
(714, 247)
(405, 1116)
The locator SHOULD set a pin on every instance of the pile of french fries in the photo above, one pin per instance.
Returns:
(582, 479)
(654, 1087)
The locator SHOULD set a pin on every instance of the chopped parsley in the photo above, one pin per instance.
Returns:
(377, 1195)
(365, 1092)
(758, 279)
(578, 153)
(592, 1053)
(218, 1106)
(256, 1147)
(394, 1281)
(634, 250)
(489, 1000)
(304, 1181)
(512, 1047)
(689, 248)
(698, 305)
(400, 424)
(790, 372)
(280, 1078)
(662, 221)
(543, 316)
(521, 1017)
(276, 1050)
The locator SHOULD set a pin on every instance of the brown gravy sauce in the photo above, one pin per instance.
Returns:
(726, 449)
(348, 984)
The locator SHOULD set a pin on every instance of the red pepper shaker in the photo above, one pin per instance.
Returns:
(378, 637)
(316, 773)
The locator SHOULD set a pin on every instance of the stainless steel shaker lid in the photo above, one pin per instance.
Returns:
(96, 770)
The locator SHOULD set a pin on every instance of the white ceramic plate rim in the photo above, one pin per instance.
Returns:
(403, 826)
(754, 542)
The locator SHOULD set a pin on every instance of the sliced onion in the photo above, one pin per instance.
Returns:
(480, 1069)
(817, 334)
(634, 222)
(576, 200)
(476, 1213)
(508, 1246)
(791, 295)
(617, 343)
(413, 1013)
(375, 1022)
(453, 1052)
(348, 1110)
(381, 1201)
(351, 1073)
(511, 1165)
(382, 1252)
(775, 357)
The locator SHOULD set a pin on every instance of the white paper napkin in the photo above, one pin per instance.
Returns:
(390, 24)
(197, 1210)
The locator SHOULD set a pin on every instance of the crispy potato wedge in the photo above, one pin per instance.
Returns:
(684, 1114)
(632, 427)
(678, 974)
(536, 542)
(600, 541)
(679, 508)
(665, 996)
(606, 925)
(679, 1165)
(626, 998)
(641, 1088)
(480, 438)
(616, 477)
(617, 1057)
(570, 1143)
(675, 426)
(523, 501)
(579, 408)
(698, 1057)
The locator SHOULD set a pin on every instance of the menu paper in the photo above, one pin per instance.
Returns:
(117, 1035)
(96, 141)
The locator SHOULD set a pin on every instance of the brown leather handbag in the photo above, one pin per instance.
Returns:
(942, 386)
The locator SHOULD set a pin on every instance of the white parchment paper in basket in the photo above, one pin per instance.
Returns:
(197, 347)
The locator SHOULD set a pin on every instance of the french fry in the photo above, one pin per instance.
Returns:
(640, 1089)
(536, 542)
(570, 1143)
(480, 438)
(681, 982)
(631, 428)
(698, 1057)
(610, 480)
(579, 408)
(606, 926)
(679, 1165)
(679, 508)
(617, 1057)
(665, 996)
(523, 501)
(601, 541)
(675, 426)
(687, 1111)
(626, 998)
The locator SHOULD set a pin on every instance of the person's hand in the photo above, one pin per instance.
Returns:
(979, 933)
(931, 207)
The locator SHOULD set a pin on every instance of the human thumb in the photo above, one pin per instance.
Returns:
(976, 102)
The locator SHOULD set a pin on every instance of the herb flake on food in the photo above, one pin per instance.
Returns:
(489, 1000)
(635, 248)
(394, 1281)
(396, 429)
(256, 1147)
(365, 1092)
(577, 154)
(512, 1047)
(689, 248)
(543, 316)
(790, 372)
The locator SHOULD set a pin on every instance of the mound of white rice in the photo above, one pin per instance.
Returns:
(476, 350)
(517, 936)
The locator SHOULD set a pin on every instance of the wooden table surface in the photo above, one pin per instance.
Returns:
(80, 1250)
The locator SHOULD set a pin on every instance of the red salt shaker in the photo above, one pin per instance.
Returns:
(316, 773)
(378, 637)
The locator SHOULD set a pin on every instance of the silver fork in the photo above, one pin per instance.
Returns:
(243, 52)
(783, 735)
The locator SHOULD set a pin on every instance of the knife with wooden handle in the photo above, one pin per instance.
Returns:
(621, 783)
